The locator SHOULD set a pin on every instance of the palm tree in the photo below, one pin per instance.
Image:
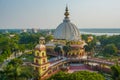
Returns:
(58, 50)
(3, 75)
(66, 49)
(115, 72)
(16, 71)
(26, 73)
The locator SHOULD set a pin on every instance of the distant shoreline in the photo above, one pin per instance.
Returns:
(102, 31)
(99, 34)
(51, 28)
(93, 31)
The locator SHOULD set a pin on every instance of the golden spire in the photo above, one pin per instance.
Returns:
(66, 12)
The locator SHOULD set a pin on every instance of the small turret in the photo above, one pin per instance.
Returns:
(41, 40)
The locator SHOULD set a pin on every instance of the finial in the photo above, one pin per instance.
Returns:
(66, 8)
(66, 12)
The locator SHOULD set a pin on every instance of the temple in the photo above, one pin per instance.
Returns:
(71, 46)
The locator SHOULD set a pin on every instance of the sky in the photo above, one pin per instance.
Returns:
(48, 14)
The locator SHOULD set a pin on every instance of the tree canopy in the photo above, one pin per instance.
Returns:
(81, 75)
(110, 49)
(15, 71)
(115, 72)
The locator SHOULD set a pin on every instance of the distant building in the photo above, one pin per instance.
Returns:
(34, 30)
(24, 30)
(50, 33)
(12, 35)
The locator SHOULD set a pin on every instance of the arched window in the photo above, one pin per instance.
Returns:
(44, 61)
(37, 53)
(36, 61)
(36, 68)
(43, 54)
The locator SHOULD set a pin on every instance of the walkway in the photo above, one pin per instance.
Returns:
(103, 61)
(96, 60)
(58, 63)
(78, 67)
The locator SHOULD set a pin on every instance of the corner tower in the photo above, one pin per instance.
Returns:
(41, 63)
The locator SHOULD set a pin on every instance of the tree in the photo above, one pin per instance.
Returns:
(66, 49)
(16, 71)
(5, 48)
(3, 75)
(27, 38)
(15, 68)
(80, 75)
(110, 49)
(15, 49)
(115, 72)
(22, 47)
(85, 37)
(58, 50)
(87, 48)
(48, 38)
(103, 40)
(59, 76)
(118, 45)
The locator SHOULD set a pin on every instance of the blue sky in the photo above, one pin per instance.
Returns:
(50, 13)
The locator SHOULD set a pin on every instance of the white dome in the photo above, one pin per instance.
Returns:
(67, 30)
